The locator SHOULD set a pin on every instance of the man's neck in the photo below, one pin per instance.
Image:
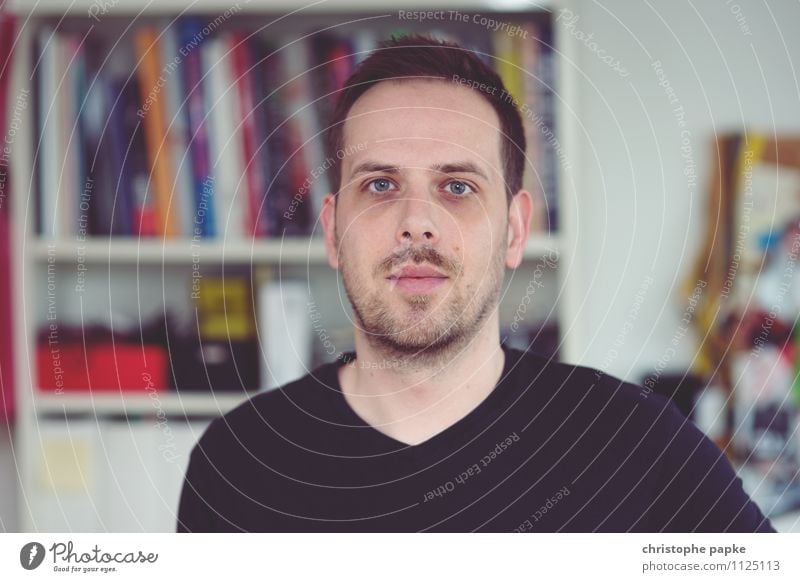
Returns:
(412, 403)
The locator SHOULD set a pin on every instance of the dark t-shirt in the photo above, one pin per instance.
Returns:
(554, 447)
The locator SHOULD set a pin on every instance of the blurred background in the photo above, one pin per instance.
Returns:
(162, 169)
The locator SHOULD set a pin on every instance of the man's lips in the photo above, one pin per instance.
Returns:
(417, 279)
(417, 272)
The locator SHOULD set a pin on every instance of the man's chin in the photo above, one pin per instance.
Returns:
(415, 333)
(411, 325)
(416, 347)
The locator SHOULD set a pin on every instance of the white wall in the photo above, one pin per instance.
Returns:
(637, 215)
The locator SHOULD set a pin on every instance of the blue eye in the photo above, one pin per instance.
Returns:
(458, 188)
(379, 185)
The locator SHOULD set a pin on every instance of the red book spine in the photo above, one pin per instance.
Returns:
(254, 175)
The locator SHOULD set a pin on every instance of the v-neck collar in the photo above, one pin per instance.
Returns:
(449, 440)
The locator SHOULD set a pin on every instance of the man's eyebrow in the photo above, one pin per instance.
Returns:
(369, 167)
(452, 168)
(460, 168)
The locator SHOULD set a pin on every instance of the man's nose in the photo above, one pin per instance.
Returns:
(418, 219)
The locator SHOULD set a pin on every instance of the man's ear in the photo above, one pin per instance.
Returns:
(520, 212)
(328, 219)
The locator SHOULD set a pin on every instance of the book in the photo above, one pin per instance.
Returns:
(531, 180)
(309, 178)
(177, 130)
(232, 126)
(124, 107)
(546, 122)
(48, 148)
(191, 38)
(220, 351)
(331, 66)
(157, 144)
(284, 331)
(267, 156)
(105, 207)
(71, 183)
(250, 130)
(225, 142)
(280, 216)
(507, 64)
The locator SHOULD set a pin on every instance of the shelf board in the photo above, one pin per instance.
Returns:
(146, 251)
(136, 403)
(149, 7)
(290, 251)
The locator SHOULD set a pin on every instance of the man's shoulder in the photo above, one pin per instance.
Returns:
(272, 411)
(576, 386)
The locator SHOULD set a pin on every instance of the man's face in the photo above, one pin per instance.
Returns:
(421, 229)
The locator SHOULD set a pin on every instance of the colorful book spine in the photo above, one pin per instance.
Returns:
(310, 179)
(254, 174)
(233, 129)
(263, 127)
(507, 64)
(548, 170)
(177, 131)
(191, 37)
(159, 156)
(71, 183)
(47, 149)
(224, 137)
(278, 184)
(120, 95)
(104, 206)
(529, 60)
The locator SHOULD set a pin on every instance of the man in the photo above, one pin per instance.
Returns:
(432, 424)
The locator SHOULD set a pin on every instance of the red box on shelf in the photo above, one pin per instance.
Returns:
(61, 367)
(64, 367)
(136, 368)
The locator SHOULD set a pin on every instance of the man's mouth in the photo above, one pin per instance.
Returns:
(416, 279)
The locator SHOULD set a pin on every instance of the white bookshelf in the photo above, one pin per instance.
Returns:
(261, 252)
(131, 8)
(32, 255)
(128, 403)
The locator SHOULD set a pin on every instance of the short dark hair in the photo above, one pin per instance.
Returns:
(420, 56)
